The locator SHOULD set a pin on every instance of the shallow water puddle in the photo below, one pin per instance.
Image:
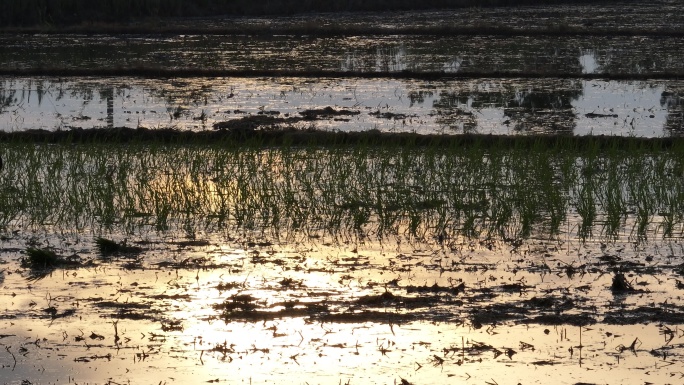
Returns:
(648, 109)
(243, 311)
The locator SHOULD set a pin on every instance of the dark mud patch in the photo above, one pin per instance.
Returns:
(202, 263)
(174, 297)
(191, 243)
(382, 308)
(593, 115)
(122, 305)
(251, 123)
(316, 313)
(129, 310)
(666, 314)
(527, 312)
(362, 316)
(390, 115)
(435, 289)
(565, 319)
(248, 308)
(326, 113)
(53, 313)
(272, 121)
(43, 262)
(388, 299)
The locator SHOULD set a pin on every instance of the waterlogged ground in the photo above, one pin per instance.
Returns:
(572, 42)
(484, 106)
(239, 308)
(655, 15)
(393, 53)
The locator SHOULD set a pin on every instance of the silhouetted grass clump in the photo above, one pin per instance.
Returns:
(108, 247)
(42, 262)
(41, 258)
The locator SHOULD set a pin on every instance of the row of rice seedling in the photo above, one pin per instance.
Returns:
(416, 192)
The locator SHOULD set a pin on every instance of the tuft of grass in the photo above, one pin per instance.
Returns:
(43, 262)
(41, 258)
(107, 247)
(621, 284)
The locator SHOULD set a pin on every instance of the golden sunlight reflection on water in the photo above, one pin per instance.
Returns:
(484, 106)
(296, 351)
(168, 321)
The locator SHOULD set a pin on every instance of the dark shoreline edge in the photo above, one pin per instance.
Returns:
(310, 137)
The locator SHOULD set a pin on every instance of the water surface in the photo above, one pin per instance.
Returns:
(485, 106)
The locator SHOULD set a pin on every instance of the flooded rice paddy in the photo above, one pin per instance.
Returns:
(246, 265)
(393, 53)
(241, 263)
(482, 106)
(231, 310)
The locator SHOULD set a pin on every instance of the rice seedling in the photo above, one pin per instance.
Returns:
(42, 262)
(418, 192)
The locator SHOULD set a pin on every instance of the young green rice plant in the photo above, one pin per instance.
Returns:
(615, 208)
(668, 196)
(639, 172)
(339, 191)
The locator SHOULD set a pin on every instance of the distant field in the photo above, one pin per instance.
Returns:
(69, 12)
